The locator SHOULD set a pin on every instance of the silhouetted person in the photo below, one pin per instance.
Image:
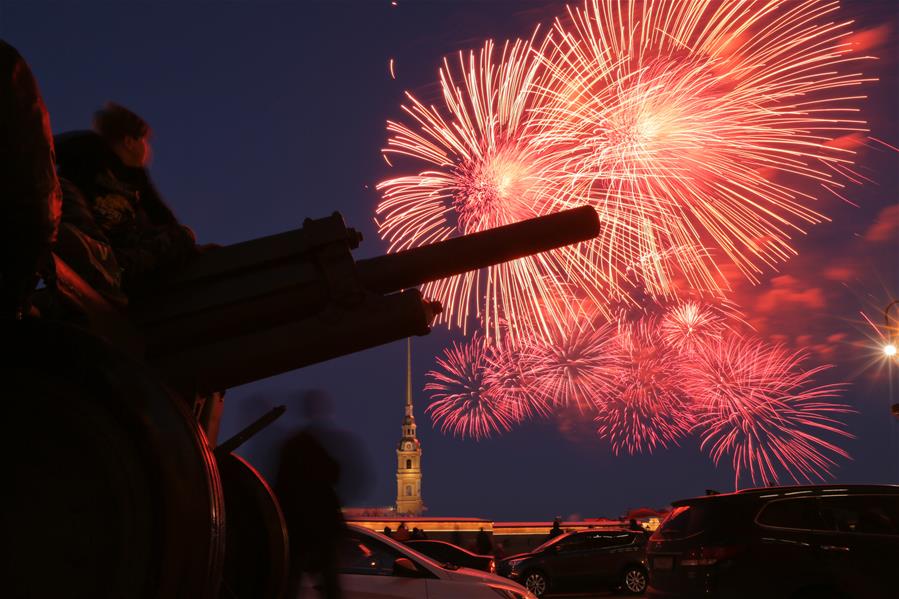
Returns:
(500, 551)
(108, 166)
(483, 543)
(418, 534)
(30, 197)
(305, 485)
(387, 531)
(634, 525)
(402, 533)
(556, 530)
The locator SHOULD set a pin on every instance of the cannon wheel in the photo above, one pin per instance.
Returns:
(256, 555)
(114, 491)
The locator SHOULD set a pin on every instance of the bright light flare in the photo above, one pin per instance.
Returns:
(889, 350)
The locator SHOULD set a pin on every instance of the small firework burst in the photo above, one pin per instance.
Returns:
(507, 377)
(756, 403)
(689, 325)
(647, 407)
(574, 369)
(462, 401)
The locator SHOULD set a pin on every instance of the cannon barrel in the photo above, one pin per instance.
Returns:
(414, 267)
(248, 311)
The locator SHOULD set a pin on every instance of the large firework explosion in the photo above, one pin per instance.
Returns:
(701, 132)
(757, 404)
(692, 124)
(476, 171)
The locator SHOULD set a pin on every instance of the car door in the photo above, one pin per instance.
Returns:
(786, 547)
(621, 548)
(861, 542)
(367, 571)
(566, 562)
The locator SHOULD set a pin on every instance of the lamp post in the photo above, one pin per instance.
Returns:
(889, 349)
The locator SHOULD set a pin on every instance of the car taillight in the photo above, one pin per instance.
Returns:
(708, 556)
(491, 567)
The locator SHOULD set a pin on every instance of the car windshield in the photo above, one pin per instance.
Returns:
(685, 520)
(551, 542)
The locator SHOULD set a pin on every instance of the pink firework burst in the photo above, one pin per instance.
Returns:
(690, 325)
(647, 407)
(463, 403)
(694, 125)
(574, 369)
(475, 170)
(507, 376)
(756, 403)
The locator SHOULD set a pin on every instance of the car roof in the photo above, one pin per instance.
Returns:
(792, 491)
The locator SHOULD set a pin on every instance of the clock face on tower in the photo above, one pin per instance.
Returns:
(408, 446)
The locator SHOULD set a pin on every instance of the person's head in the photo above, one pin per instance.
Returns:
(126, 133)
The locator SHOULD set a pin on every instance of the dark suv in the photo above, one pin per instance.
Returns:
(582, 561)
(825, 541)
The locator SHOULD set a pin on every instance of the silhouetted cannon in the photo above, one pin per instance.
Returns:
(113, 488)
(259, 308)
(118, 492)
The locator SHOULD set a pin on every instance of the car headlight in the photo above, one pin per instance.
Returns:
(514, 563)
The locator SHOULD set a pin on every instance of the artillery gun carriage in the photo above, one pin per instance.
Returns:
(111, 420)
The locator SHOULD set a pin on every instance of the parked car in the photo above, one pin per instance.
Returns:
(374, 565)
(582, 561)
(822, 541)
(447, 553)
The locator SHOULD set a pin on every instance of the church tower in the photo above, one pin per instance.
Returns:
(408, 454)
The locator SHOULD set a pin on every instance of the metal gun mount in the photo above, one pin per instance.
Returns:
(258, 308)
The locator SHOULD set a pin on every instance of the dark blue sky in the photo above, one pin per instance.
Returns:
(267, 112)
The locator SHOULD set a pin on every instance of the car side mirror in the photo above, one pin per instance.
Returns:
(403, 566)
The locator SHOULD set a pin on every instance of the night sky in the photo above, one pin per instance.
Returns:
(266, 112)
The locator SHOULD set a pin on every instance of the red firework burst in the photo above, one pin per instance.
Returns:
(574, 369)
(462, 401)
(692, 124)
(648, 406)
(507, 377)
(475, 170)
(757, 403)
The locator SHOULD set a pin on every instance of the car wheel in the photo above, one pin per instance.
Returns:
(536, 582)
(634, 580)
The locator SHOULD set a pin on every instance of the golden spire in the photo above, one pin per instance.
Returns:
(409, 377)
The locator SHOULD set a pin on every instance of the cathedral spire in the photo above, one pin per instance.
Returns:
(409, 377)
(408, 454)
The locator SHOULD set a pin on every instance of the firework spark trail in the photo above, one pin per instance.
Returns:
(574, 368)
(674, 117)
(756, 403)
(647, 407)
(476, 172)
(462, 402)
